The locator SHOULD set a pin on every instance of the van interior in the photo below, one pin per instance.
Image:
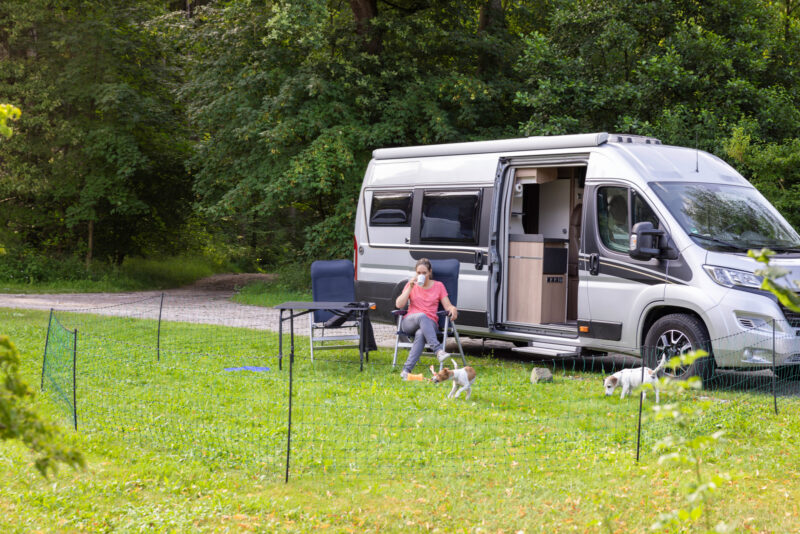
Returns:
(544, 231)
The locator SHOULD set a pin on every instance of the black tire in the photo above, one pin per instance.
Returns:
(677, 334)
(788, 372)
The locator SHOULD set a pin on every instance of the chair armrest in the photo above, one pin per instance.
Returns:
(399, 313)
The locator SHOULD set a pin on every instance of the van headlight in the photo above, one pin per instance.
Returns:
(732, 277)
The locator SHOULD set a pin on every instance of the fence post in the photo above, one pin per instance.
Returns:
(158, 338)
(641, 403)
(74, 380)
(289, 427)
(774, 373)
(46, 342)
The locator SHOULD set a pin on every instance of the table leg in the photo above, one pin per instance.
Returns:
(280, 341)
(291, 337)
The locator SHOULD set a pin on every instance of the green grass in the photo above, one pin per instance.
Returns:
(267, 294)
(182, 445)
(53, 276)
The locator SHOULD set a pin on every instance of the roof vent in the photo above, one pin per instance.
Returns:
(633, 139)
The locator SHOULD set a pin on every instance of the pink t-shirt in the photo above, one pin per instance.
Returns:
(426, 300)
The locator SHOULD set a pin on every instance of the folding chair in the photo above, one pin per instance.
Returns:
(332, 281)
(446, 272)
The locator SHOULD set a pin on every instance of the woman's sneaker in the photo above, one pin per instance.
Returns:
(442, 356)
(403, 375)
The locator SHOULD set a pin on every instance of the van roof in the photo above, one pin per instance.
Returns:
(550, 142)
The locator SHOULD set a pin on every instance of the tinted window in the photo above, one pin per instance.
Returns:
(450, 217)
(391, 209)
(612, 217)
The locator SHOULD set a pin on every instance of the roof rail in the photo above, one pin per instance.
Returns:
(548, 142)
(628, 138)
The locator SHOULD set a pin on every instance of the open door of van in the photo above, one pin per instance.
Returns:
(533, 231)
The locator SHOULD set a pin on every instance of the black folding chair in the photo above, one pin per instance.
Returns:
(332, 281)
(446, 272)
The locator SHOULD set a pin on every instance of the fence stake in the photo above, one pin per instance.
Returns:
(46, 341)
(774, 374)
(289, 428)
(641, 403)
(158, 338)
(74, 381)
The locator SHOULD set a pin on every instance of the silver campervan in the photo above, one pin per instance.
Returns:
(581, 244)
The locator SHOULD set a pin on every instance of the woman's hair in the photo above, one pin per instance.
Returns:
(427, 263)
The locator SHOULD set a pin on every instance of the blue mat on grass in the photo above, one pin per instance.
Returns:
(248, 368)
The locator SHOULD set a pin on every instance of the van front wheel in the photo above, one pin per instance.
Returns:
(677, 334)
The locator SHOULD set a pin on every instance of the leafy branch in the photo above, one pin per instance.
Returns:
(19, 422)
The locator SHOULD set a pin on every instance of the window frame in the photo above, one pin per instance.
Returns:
(475, 193)
(371, 222)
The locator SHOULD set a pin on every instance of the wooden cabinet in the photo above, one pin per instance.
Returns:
(537, 280)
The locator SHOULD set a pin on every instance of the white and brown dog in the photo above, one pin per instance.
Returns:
(630, 379)
(463, 377)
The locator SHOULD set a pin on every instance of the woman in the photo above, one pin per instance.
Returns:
(424, 294)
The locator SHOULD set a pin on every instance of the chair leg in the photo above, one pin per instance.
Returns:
(460, 348)
(396, 343)
(311, 333)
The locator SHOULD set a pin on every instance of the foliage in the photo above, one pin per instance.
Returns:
(257, 119)
(8, 113)
(19, 422)
(100, 161)
(686, 448)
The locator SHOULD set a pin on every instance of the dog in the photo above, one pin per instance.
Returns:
(463, 377)
(629, 379)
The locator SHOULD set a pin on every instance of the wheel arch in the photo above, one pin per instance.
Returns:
(656, 313)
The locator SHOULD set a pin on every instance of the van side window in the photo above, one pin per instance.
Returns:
(391, 208)
(450, 217)
(642, 211)
(612, 217)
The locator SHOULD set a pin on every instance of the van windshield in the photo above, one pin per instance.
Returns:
(727, 217)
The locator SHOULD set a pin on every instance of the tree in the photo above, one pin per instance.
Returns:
(100, 168)
(19, 422)
(289, 100)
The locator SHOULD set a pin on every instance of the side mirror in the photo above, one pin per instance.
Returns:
(644, 239)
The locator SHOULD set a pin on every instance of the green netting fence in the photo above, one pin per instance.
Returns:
(156, 374)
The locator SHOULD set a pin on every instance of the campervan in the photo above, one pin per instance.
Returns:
(583, 244)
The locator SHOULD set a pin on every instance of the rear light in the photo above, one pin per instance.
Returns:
(355, 257)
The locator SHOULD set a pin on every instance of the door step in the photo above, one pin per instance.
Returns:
(549, 349)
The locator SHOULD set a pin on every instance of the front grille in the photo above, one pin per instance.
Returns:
(792, 316)
(746, 323)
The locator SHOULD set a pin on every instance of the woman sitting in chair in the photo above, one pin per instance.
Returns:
(424, 295)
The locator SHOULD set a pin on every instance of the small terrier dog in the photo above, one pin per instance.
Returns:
(632, 378)
(463, 377)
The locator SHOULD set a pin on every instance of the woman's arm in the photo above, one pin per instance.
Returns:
(402, 299)
(449, 308)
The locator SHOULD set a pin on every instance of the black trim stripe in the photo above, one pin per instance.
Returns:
(632, 272)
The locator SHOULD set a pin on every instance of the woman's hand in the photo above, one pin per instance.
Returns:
(453, 312)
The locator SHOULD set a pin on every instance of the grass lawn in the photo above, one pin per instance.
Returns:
(182, 444)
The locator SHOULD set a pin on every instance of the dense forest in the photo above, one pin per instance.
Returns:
(242, 128)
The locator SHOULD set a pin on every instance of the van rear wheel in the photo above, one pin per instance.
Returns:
(676, 334)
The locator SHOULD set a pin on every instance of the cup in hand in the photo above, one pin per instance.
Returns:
(420, 280)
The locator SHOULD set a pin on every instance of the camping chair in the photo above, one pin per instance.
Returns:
(332, 281)
(446, 272)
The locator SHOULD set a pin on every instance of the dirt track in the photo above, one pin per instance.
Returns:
(206, 301)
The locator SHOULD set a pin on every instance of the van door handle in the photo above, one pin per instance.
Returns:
(478, 260)
(594, 264)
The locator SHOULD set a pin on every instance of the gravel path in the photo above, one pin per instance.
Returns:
(208, 301)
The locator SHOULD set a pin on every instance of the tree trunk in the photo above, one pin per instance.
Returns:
(90, 240)
(364, 11)
(490, 20)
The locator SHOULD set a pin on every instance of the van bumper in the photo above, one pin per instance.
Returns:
(753, 332)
